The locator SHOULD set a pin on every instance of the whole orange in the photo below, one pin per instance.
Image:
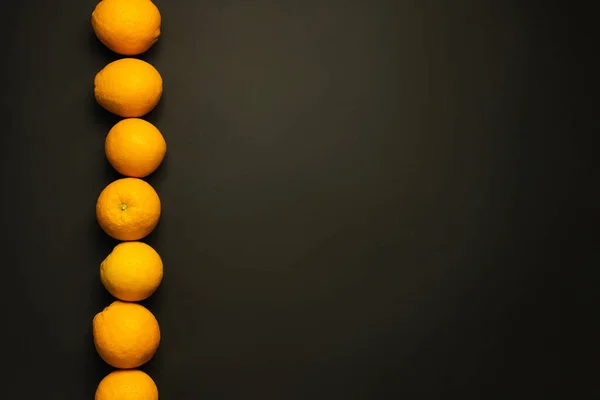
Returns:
(128, 209)
(132, 271)
(135, 147)
(130, 384)
(128, 87)
(127, 27)
(126, 335)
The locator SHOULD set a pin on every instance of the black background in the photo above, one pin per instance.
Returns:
(361, 199)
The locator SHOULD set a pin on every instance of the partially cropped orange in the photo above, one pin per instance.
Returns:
(128, 209)
(127, 27)
(131, 384)
(128, 87)
(126, 335)
(135, 147)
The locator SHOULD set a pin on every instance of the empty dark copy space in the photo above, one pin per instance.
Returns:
(361, 199)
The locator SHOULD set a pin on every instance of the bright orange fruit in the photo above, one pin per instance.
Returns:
(127, 27)
(135, 147)
(131, 384)
(128, 87)
(128, 209)
(132, 271)
(126, 335)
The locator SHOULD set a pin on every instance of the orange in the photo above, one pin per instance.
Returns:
(127, 27)
(126, 335)
(128, 87)
(128, 209)
(132, 271)
(135, 147)
(129, 384)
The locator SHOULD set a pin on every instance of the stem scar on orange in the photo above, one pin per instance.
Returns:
(128, 209)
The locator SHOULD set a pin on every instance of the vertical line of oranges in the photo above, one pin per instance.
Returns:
(126, 334)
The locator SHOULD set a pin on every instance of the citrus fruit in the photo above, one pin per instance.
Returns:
(128, 209)
(132, 271)
(127, 27)
(126, 335)
(128, 87)
(135, 147)
(129, 384)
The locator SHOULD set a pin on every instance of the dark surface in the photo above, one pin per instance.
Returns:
(361, 199)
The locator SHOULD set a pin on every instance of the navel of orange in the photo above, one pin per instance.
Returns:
(128, 209)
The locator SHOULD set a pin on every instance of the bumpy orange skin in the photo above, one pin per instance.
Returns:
(132, 271)
(126, 335)
(127, 385)
(128, 87)
(127, 27)
(135, 147)
(128, 209)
